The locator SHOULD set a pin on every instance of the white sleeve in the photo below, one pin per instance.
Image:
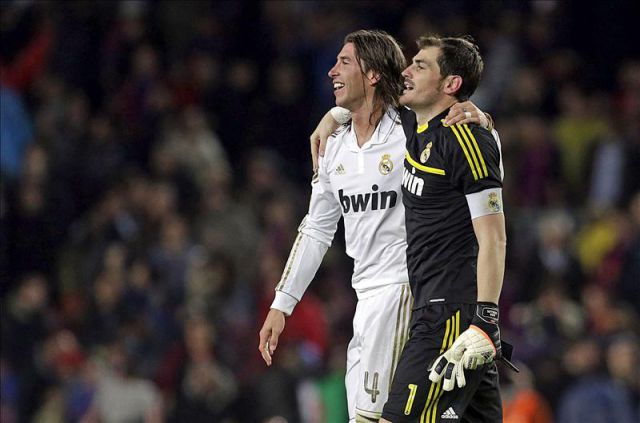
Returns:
(315, 235)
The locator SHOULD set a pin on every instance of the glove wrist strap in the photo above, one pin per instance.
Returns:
(486, 316)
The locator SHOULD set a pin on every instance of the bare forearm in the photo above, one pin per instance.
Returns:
(491, 259)
(492, 242)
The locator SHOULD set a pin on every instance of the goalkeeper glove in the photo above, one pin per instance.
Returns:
(476, 346)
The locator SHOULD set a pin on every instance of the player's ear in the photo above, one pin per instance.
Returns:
(373, 77)
(452, 84)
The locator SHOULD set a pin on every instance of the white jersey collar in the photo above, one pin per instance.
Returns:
(380, 134)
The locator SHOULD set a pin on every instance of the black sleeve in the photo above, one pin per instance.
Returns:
(474, 161)
(409, 121)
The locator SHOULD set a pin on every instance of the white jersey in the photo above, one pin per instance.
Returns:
(362, 185)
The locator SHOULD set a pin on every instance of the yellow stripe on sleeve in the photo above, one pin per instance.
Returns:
(472, 152)
(484, 166)
(466, 153)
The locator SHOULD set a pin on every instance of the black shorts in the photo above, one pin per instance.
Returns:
(414, 398)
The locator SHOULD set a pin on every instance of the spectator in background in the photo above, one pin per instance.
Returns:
(195, 146)
(605, 315)
(16, 132)
(502, 56)
(120, 396)
(31, 229)
(627, 99)
(9, 392)
(210, 285)
(27, 42)
(552, 258)
(206, 389)
(537, 180)
(130, 29)
(591, 397)
(162, 204)
(600, 234)
(72, 380)
(621, 354)
(169, 259)
(26, 320)
(302, 348)
(545, 327)
(106, 312)
(551, 319)
(579, 129)
(266, 176)
(525, 95)
(133, 103)
(225, 225)
(284, 98)
(628, 286)
(607, 272)
(241, 82)
(103, 152)
(521, 402)
(607, 170)
(151, 326)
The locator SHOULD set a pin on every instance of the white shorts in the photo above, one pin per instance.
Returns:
(380, 329)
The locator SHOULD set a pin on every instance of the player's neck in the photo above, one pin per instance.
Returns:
(426, 114)
(364, 121)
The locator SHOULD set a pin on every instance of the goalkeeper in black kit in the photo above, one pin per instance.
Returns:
(452, 192)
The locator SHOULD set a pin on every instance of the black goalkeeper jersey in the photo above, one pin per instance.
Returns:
(442, 165)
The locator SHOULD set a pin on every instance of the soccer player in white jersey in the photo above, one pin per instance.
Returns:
(359, 179)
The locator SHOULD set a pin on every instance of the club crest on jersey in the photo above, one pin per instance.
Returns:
(426, 153)
(494, 202)
(386, 165)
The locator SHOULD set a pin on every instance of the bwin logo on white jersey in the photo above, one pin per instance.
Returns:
(361, 202)
(414, 184)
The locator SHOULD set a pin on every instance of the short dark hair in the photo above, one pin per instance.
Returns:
(381, 53)
(458, 56)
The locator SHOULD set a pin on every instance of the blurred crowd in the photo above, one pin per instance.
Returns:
(155, 168)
